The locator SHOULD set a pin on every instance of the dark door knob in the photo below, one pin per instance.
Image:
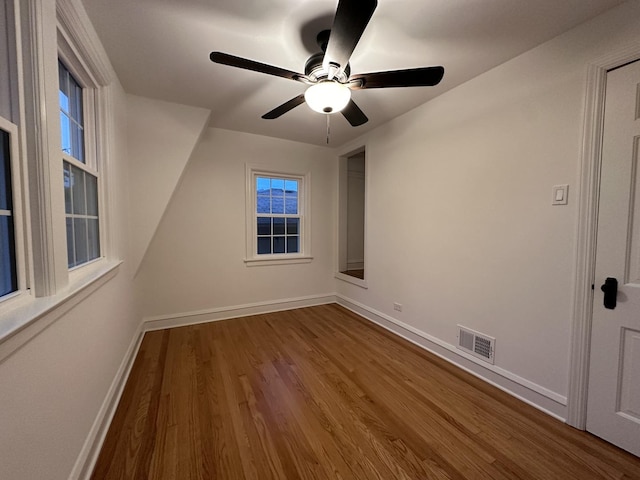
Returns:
(610, 289)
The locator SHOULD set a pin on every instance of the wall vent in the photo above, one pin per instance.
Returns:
(477, 344)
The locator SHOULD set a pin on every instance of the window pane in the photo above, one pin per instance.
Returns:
(63, 99)
(264, 225)
(263, 204)
(293, 225)
(278, 245)
(263, 185)
(80, 240)
(93, 238)
(277, 185)
(91, 185)
(67, 187)
(65, 133)
(8, 275)
(278, 226)
(292, 244)
(79, 196)
(71, 259)
(5, 172)
(277, 205)
(77, 142)
(291, 205)
(291, 186)
(64, 87)
(76, 104)
(264, 245)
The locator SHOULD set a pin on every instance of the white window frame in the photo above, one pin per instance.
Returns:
(304, 203)
(17, 212)
(95, 113)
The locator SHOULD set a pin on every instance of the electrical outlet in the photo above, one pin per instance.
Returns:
(397, 307)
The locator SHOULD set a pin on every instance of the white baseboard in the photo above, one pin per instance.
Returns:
(535, 395)
(235, 311)
(93, 444)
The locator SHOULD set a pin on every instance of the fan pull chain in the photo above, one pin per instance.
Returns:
(328, 130)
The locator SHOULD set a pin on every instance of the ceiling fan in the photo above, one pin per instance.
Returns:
(328, 73)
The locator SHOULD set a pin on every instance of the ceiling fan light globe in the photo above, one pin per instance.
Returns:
(327, 97)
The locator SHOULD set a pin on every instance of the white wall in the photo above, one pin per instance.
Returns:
(161, 139)
(195, 261)
(460, 226)
(52, 389)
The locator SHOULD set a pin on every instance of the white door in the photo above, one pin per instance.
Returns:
(613, 410)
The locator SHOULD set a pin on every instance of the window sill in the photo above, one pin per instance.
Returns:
(28, 316)
(277, 260)
(349, 279)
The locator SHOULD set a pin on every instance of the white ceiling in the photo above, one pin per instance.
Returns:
(160, 49)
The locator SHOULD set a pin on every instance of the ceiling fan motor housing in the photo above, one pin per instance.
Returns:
(314, 70)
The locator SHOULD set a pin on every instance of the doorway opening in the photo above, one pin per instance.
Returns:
(352, 190)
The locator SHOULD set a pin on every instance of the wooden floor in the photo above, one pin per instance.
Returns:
(319, 393)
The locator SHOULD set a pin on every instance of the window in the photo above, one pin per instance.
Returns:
(277, 215)
(79, 175)
(277, 220)
(8, 271)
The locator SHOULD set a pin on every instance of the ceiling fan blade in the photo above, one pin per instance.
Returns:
(284, 108)
(415, 77)
(354, 115)
(239, 62)
(352, 17)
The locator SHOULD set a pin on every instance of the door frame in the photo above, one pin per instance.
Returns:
(591, 160)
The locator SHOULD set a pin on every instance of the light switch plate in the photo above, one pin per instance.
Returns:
(560, 195)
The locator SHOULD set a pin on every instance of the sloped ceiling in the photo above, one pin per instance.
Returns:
(160, 49)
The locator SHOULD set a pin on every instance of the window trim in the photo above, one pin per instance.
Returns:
(304, 203)
(96, 113)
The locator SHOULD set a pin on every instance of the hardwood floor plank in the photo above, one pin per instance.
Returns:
(339, 419)
(320, 393)
(234, 445)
